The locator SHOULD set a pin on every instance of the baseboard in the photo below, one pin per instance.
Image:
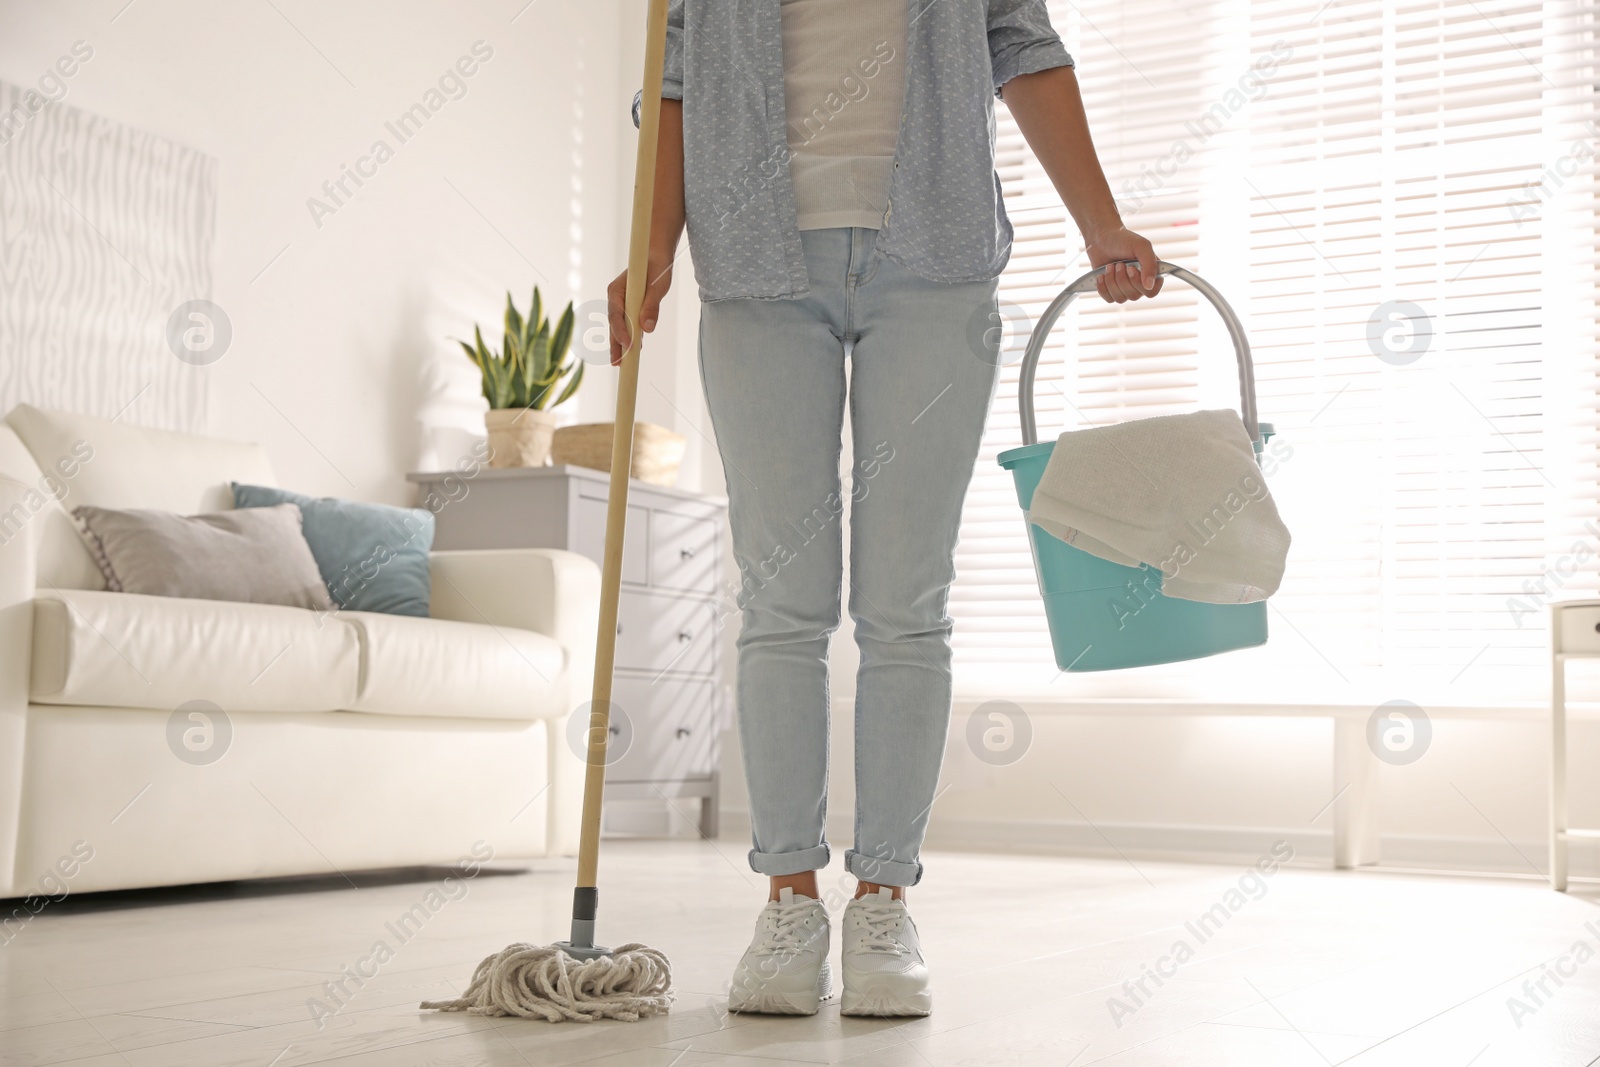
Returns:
(651, 818)
(1178, 843)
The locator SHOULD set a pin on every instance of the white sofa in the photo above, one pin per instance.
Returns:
(357, 740)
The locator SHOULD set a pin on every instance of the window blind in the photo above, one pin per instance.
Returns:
(1398, 198)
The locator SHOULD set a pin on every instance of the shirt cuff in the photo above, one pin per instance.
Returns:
(669, 91)
(1029, 58)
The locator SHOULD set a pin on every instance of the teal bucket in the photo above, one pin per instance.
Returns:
(1104, 616)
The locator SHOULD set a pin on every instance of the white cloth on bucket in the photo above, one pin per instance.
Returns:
(1181, 493)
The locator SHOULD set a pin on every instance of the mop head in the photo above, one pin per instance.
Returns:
(543, 982)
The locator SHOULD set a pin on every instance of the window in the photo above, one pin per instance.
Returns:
(1398, 198)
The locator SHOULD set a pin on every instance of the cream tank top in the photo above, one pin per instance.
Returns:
(844, 90)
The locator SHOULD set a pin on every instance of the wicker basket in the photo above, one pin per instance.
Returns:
(657, 451)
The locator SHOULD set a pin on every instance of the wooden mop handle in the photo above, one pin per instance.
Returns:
(644, 180)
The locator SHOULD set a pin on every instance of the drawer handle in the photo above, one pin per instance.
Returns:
(1597, 627)
(683, 731)
(686, 553)
(685, 635)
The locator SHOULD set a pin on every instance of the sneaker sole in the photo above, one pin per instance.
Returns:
(883, 1003)
(769, 1001)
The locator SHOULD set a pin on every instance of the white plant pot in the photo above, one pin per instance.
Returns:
(519, 437)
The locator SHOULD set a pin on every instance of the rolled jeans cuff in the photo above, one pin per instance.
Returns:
(880, 871)
(775, 864)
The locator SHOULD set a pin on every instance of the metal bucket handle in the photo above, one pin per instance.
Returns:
(1241, 345)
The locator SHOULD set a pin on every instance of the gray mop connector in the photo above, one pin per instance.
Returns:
(585, 902)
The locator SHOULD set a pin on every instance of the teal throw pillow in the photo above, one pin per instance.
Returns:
(373, 557)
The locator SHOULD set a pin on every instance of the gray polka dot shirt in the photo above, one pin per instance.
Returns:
(944, 218)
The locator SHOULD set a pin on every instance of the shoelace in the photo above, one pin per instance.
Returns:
(880, 925)
(782, 930)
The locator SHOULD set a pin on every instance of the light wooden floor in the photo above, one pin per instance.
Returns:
(1323, 968)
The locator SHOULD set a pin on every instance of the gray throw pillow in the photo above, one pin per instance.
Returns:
(258, 555)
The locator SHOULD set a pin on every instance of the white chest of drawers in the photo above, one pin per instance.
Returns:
(668, 684)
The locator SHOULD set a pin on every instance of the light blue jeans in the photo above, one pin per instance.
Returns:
(923, 364)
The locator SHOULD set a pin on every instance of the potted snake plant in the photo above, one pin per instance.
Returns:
(523, 382)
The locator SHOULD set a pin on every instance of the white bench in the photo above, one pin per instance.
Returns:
(1354, 801)
(1574, 634)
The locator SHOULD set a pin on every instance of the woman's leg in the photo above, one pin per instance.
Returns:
(923, 373)
(773, 372)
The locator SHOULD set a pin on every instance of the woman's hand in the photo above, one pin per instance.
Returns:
(666, 226)
(1122, 282)
(659, 281)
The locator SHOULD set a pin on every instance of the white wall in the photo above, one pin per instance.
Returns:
(341, 362)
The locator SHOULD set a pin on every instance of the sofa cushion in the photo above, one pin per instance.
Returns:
(137, 467)
(439, 667)
(64, 560)
(16, 462)
(130, 651)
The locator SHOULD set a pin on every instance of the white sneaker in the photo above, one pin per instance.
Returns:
(884, 973)
(785, 970)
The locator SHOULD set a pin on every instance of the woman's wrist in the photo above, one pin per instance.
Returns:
(1096, 233)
